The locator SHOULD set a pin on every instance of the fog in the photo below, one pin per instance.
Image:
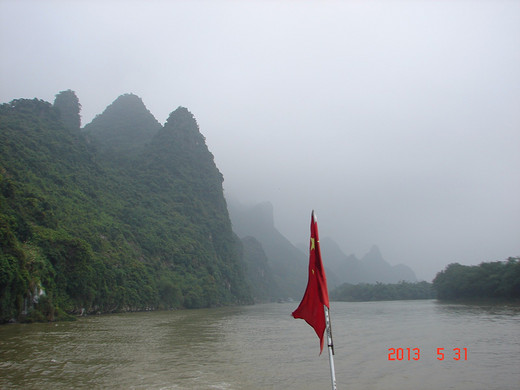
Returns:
(397, 121)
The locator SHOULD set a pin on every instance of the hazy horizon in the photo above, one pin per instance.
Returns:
(397, 121)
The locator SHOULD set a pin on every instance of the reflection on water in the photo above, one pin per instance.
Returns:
(263, 347)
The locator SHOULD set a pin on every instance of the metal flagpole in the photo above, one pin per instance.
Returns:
(331, 348)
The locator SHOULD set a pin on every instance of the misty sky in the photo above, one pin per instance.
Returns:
(397, 121)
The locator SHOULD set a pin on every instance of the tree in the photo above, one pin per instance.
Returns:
(488, 280)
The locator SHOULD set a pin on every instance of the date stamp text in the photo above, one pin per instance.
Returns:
(399, 354)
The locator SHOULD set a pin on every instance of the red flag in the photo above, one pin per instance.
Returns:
(316, 295)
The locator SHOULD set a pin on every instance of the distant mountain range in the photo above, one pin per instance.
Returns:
(371, 268)
(287, 264)
(128, 214)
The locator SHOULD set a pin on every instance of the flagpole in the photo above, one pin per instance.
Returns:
(316, 298)
(330, 347)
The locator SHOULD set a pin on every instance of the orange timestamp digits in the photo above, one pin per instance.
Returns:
(404, 353)
(415, 353)
(458, 354)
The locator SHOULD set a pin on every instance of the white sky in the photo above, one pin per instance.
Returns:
(397, 121)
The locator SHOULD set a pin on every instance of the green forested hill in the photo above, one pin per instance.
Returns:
(488, 280)
(78, 231)
(123, 128)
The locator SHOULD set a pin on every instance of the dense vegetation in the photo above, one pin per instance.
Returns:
(382, 292)
(123, 129)
(496, 280)
(88, 228)
(68, 107)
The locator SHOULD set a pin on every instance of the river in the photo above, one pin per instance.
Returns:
(263, 347)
